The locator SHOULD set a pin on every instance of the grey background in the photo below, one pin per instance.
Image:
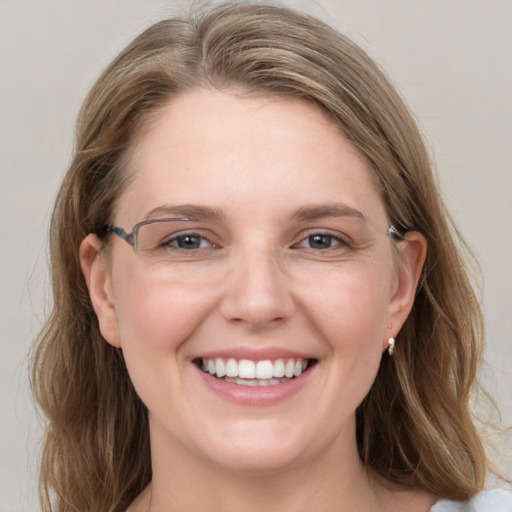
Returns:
(450, 58)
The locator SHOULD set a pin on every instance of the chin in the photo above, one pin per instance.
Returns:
(254, 460)
(257, 450)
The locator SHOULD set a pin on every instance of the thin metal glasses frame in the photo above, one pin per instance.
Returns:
(131, 238)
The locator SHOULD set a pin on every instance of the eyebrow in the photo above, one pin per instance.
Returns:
(192, 211)
(333, 210)
(304, 213)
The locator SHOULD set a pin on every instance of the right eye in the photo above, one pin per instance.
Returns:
(188, 242)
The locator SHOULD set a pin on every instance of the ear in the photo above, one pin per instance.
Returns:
(98, 280)
(412, 254)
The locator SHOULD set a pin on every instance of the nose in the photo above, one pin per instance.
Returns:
(257, 292)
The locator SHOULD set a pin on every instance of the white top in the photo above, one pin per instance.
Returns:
(487, 501)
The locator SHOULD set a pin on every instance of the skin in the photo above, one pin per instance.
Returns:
(256, 162)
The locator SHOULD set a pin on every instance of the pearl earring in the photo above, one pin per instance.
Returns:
(391, 346)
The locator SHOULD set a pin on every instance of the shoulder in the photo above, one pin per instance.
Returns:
(486, 501)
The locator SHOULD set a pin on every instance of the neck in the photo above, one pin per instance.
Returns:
(333, 480)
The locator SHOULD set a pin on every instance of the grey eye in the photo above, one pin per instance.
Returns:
(189, 241)
(320, 241)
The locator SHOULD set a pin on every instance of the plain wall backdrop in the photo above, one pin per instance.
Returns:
(451, 59)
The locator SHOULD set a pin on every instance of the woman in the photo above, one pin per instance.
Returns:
(292, 327)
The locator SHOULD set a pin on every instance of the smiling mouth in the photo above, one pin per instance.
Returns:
(255, 373)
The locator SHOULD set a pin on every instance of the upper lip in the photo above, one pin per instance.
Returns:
(255, 354)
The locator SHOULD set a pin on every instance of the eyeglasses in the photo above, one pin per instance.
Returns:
(394, 233)
(149, 236)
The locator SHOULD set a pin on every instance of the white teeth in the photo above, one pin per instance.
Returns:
(263, 373)
(231, 368)
(221, 367)
(264, 370)
(246, 369)
(255, 382)
(247, 382)
(279, 368)
(288, 369)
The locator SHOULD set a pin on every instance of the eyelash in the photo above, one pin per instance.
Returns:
(174, 240)
(338, 241)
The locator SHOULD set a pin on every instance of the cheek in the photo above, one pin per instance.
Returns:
(350, 309)
(156, 319)
(156, 316)
(349, 315)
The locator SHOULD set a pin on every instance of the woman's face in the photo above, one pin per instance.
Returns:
(285, 266)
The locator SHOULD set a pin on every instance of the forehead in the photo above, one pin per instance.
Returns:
(224, 150)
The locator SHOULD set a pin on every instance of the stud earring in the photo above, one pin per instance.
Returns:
(391, 346)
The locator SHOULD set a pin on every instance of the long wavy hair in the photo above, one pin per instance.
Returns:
(415, 426)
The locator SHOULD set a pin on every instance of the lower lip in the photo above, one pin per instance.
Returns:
(255, 395)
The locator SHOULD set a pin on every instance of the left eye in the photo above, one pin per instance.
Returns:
(319, 241)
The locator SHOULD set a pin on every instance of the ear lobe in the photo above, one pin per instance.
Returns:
(413, 251)
(97, 278)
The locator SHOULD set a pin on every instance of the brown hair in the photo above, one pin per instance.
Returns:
(415, 426)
